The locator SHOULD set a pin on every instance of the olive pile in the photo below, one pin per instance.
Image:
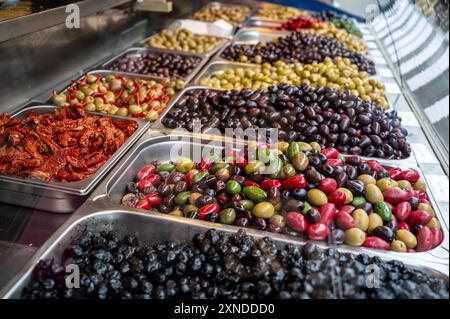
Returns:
(279, 13)
(184, 40)
(168, 65)
(352, 42)
(222, 265)
(231, 14)
(335, 73)
(295, 188)
(119, 95)
(339, 22)
(303, 47)
(327, 116)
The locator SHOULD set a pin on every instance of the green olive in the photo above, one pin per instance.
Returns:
(361, 219)
(152, 116)
(427, 208)
(420, 185)
(59, 99)
(227, 216)
(193, 198)
(316, 197)
(373, 194)
(277, 220)
(399, 246)
(248, 204)
(287, 171)
(355, 237)
(263, 210)
(189, 209)
(255, 166)
(407, 237)
(404, 184)
(367, 179)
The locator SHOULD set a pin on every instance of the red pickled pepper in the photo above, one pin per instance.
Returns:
(299, 23)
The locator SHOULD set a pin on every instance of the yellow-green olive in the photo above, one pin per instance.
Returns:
(403, 184)
(316, 197)
(300, 161)
(420, 186)
(407, 237)
(373, 194)
(183, 164)
(355, 237)
(348, 195)
(263, 210)
(361, 219)
(434, 223)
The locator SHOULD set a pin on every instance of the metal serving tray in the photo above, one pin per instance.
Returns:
(209, 54)
(59, 197)
(157, 228)
(220, 66)
(262, 23)
(217, 4)
(156, 146)
(136, 52)
(129, 76)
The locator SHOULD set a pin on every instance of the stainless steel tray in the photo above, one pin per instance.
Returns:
(136, 52)
(219, 66)
(59, 197)
(209, 54)
(253, 22)
(154, 145)
(157, 228)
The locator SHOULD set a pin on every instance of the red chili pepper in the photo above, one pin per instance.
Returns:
(205, 164)
(299, 23)
(376, 243)
(251, 183)
(294, 182)
(396, 195)
(402, 210)
(317, 232)
(403, 225)
(411, 176)
(206, 210)
(296, 221)
(142, 204)
(327, 213)
(153, 199)
(268, 183)
(145, 171)
(344, 220)
(338, 198)
(335, 162)
(419, 217)
(394, 173)
(425, 239)
(330, 153)
(375, 166)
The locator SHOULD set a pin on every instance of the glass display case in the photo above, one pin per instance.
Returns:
(357, 99)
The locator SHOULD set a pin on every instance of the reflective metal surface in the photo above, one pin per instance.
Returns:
(56, 196)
